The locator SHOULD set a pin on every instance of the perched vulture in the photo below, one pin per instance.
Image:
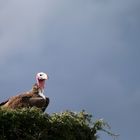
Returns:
(34, 97)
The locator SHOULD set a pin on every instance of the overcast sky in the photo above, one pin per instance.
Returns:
(90, 50)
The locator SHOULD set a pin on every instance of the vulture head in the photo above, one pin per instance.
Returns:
(41, 77)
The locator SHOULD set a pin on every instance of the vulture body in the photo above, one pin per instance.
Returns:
(34, 97)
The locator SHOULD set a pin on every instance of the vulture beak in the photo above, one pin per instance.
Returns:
(46, 77)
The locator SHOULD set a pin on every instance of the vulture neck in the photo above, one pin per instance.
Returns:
(41, 85)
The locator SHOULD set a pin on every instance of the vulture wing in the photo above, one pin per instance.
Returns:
(26, 100)
(16, 101)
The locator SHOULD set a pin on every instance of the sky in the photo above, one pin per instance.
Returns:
(90, 50)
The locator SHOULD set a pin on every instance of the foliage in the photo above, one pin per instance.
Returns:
(32, 124)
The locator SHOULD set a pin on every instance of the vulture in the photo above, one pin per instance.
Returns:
(33, 98)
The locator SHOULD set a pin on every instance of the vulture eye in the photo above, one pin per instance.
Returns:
(40, 74)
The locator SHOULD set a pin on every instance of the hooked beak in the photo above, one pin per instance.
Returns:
(45, 77)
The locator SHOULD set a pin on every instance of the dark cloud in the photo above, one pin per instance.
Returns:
(89, 49)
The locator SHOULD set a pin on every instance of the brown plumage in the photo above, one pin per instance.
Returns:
(34, 97)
